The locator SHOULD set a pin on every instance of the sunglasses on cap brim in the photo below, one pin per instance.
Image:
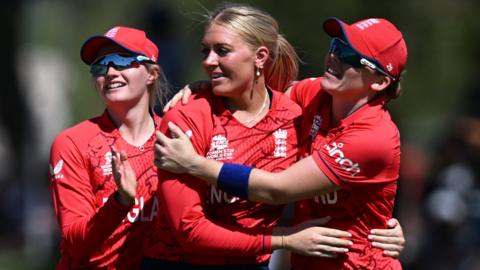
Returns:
(346, 54)
(117, 61)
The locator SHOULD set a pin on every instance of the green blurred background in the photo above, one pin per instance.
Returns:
(47, 88)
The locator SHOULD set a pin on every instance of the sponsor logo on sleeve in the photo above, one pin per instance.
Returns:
(55, 171)
(335, 151)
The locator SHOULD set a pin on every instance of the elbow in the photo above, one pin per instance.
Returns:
(274, 195)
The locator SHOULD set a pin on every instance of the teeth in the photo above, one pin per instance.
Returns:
(330, 70)
(215, 76)
(114, 85)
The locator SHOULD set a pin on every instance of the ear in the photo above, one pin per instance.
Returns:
(153, 73)
(381, 83)
(261, 56)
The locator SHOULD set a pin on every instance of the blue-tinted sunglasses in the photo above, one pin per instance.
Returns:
(117, 61)
(349, 56)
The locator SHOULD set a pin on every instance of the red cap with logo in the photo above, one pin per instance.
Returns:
(375, 39)
(130, 39)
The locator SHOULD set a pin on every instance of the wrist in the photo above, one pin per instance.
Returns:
(278, 238)
(123, 199)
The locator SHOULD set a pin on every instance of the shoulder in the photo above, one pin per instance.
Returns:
(284, 103)
(196, 115)
(80, 132)
(199, 104)
(305, 91)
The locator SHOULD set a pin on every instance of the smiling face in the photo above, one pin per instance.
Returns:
(128, 86)
(343, 80)
(228, 61)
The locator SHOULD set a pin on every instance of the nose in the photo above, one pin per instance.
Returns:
(111, 71)
(211, 59)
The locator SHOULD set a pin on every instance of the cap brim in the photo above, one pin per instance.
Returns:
(335, 28)
(89, 49)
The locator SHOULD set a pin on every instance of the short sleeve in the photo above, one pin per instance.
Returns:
(356, 158)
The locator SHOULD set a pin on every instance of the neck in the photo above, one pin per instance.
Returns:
(134, 124)
(251, 106)
(341, 109)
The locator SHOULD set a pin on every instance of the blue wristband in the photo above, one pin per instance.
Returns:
(233, 179)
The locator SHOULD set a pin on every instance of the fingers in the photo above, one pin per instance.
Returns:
(175, 131)
(387, 247)
(399, 241)
(392, 223)
(161, 138)
(187, 92)
(387, 232)
(334, 241)
(393, 254)
(167, 107)
(171, 103)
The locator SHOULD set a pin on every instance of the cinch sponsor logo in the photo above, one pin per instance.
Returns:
(138, 213)
(366, 23)
(55, 171)
(217, 196)
(334, 150)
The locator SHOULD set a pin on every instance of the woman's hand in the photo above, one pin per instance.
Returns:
(124, 176)
(310, 239)
(175, 155)
(185, 93)
(391, 240)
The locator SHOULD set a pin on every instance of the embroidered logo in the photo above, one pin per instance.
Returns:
(219, 149)
(55, 171)
(280, 143)
(317, 123)
(335, 151)
(366, 23)
(112, 32)
(107, 167)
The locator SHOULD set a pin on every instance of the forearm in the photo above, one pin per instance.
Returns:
(83, 235)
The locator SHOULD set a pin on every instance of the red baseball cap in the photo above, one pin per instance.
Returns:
(130, 39)
(375, 39)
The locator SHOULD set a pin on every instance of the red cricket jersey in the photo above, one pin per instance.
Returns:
(362, 156)
(202, 224)
(97, 231)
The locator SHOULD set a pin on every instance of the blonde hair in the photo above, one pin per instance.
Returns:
(257, 28)
(160, 90)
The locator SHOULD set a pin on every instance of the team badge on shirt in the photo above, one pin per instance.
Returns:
(107, 167)
(219, 149)
(280, 143)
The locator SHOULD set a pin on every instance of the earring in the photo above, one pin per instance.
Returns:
(258, 71)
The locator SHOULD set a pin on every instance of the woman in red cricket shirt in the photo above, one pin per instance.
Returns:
(105, 217)
(241, 120)
(351, 145)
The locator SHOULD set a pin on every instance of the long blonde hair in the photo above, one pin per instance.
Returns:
(258, 28)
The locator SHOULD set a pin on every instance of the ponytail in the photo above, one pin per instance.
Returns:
(284, 67)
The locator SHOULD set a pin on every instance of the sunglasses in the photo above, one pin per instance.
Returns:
(117, 61)
(348, 55)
